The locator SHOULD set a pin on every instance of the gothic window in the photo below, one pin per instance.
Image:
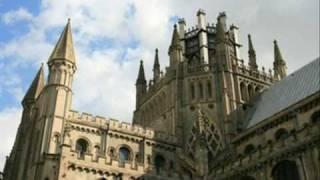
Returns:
(200, 90)
(192, 91)
(285, 170)
(249, 150)
(315, 117)
(124, 154)
(209, 89)
(82, 147)
(281, 134)
(242, 91)
(159, 163)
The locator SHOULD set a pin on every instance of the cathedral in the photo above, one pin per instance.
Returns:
(207, 116)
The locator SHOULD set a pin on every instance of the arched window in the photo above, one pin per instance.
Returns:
(124, 154)
(315, 117)
(200, 90)
(159, 163)
(209, 89)
(249, 150)
(82, 147)
(281, 134)
(192, 91)
(285, 170)
(243, 91)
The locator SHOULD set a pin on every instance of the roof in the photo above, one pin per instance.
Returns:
(35, 87)
(64, 47)
(290, 90)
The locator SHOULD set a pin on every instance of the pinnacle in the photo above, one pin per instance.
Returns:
(64, 48)
(141, 77)
(277, 53)
(35, 87)
(175, 37)
(156, 59)
(251, 48)
(220, 31)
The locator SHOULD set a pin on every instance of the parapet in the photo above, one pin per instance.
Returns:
(121, 127)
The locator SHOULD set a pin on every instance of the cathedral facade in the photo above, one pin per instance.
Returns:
(208, 116)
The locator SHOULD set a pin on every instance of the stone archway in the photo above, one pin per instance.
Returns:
(286, 170)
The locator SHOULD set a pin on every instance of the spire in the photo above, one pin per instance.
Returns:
(156, 67)
(175, 42)
(156, 60)
(64, 47)
(277, 54)
(35, 87)
(141, 77)
(252, 55)
(251, 49)
(279, 64)
(175, 49)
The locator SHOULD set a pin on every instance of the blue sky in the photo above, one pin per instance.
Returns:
(110, 38)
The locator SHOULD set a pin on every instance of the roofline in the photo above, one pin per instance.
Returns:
(269, 119)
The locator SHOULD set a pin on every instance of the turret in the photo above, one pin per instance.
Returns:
(252, 55)
(220, 32)
(141, 85)
(19, 155)
(279, 64)
(35, 88)
(182, 29)
(175, 49)
(62, 66)
(203, 39)
(156, 67)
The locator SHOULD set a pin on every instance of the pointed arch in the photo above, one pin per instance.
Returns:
(285, 170)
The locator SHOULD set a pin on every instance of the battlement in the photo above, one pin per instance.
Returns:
(123, 127)
(259, 74)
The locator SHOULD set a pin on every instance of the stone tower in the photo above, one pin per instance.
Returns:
(205, 68)
(45, 109)
(209, 116)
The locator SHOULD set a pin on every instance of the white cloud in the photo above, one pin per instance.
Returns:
(20, 14)
(9, 120)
